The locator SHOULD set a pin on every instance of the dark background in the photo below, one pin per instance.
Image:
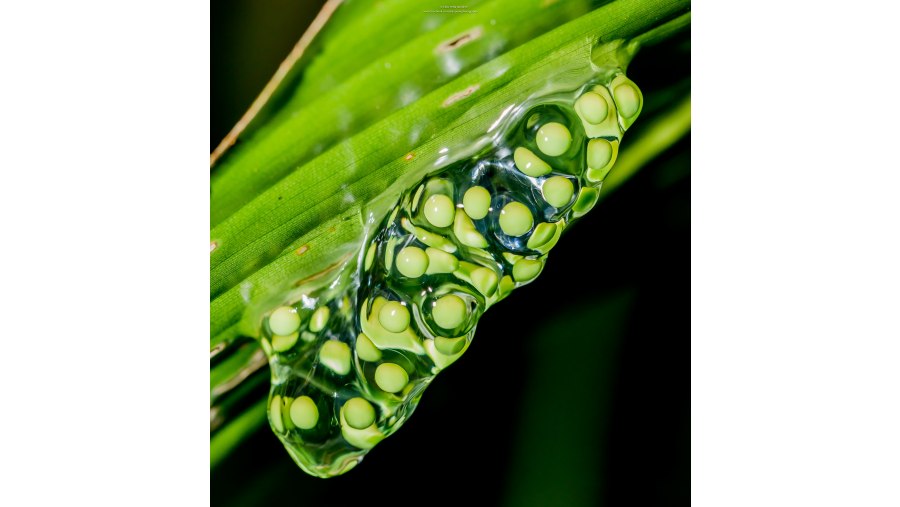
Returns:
(576, 388)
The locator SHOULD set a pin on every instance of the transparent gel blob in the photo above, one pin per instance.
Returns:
(350, 361)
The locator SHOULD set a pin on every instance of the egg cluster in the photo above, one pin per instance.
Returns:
(347, 371)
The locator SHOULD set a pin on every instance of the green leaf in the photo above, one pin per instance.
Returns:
(337, 103)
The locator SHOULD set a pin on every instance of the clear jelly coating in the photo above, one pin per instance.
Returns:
(349, 367)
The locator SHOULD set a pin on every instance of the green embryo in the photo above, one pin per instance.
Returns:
(351, 361)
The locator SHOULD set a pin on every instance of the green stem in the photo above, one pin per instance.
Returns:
(663, 32)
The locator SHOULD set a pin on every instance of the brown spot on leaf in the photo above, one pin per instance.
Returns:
(456, 97)
(460, 40)
(409, 156)
(213, 352)
(302, 250)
